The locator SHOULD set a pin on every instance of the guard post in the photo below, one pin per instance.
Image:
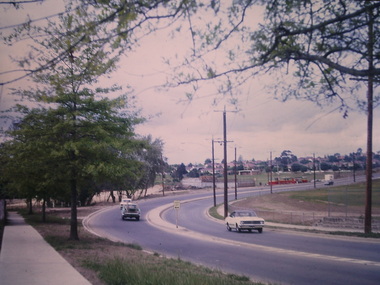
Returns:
(177, 205)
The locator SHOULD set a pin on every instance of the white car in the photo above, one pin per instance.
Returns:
(124, 202)
(244, 220)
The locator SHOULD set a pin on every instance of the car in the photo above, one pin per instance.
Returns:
(125, 201)
(131, 211)
(244, 220)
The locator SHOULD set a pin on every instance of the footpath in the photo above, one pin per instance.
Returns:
(26, 258)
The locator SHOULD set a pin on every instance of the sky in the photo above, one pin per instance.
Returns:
(262, 125)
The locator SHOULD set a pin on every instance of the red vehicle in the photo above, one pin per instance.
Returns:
(287, 180)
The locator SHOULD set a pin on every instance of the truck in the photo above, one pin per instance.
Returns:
(329, 179)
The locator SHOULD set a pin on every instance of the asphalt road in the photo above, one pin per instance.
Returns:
(276, 256)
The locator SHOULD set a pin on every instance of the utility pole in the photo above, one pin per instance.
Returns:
(225, 165)
(353, 165)
(213, 172)
(235, 177)
(213, 168)
(225, 172)
(163, 176)
(271, 173)
(315, 182)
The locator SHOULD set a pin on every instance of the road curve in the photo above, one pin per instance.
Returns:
(284, 258)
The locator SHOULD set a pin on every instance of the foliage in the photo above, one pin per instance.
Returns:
(152, 161)
(115, 26)
(179, 172)
(194, 173)
(76, 139)
(315, 50)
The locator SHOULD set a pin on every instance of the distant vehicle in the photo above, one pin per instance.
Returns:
(125, 201)
(244, 220)
(329, 179)
(130, 210)
(287, 180)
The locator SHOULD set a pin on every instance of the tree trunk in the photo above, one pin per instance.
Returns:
(368, 204)
(44, 210)
(30, 206)
(73, 220)
(113, 197)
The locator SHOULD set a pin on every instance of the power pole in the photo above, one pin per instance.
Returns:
(225, 165)
(213, 172)
(315, 182)
(271, 173)
(353, 165)
(225, 172)
(235, 177)
(163, 176)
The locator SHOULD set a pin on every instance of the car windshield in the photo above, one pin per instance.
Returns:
(246, 214)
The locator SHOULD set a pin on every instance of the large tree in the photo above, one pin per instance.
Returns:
(87, 136)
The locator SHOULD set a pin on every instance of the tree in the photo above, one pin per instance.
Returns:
(325, 166)
(89, 137)
(296, 167)
(193, 173)
(304, 161)
(29, 168)
(153, 162)
(179, 172)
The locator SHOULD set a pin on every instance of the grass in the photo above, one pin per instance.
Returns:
(167, 271)
(352, 195)
(213, 212)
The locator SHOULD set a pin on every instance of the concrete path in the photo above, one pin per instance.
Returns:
(26, 258)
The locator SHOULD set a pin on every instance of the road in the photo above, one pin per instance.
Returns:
(276, 256)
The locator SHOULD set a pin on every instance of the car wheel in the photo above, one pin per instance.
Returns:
(138, 218)
(260, 230)
(250, 230)
(237, 228)
(228, 227)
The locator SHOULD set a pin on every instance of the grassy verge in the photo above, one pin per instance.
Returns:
(104, 262)
(165, 271)
(350, 195)
(213, 212)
